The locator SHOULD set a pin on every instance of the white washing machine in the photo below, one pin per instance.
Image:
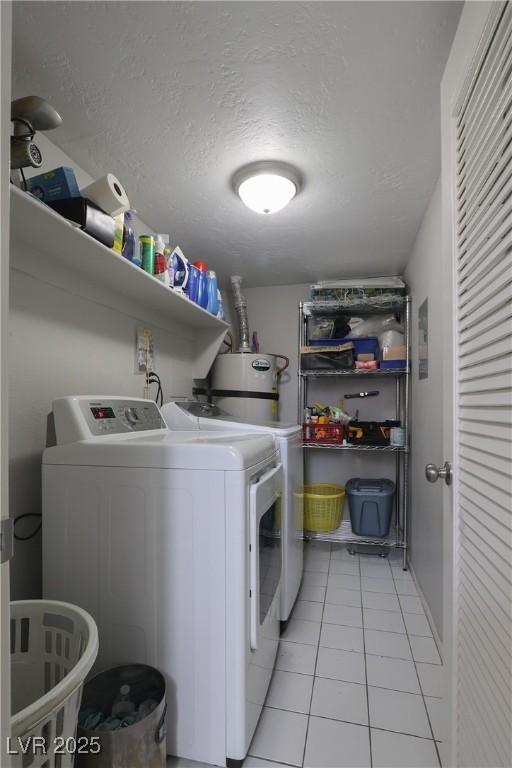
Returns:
(168, 539)
(192, 414)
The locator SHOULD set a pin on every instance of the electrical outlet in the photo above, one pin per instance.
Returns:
(144, 350)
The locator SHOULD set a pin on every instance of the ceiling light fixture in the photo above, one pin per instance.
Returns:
(266, 186)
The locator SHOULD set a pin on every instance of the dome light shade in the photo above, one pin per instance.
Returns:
(266, 187)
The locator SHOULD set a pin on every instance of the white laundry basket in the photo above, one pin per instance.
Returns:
(53, 647)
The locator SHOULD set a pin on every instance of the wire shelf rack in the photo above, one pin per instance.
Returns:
(356, 372)
(375, 448)
(375, 305)
(345, 535)
(400, 376)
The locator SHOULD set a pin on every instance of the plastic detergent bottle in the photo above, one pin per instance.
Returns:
(220, 312)
(160, 264)
(202, 292)
(147, 253)
(212, 290)
(193, 283)
(168, 261)
(130, 250)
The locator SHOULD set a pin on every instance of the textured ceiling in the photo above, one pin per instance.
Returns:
(174, 97)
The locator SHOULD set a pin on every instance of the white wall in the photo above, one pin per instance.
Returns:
(273, 313)
(424, 277)
(61, 344)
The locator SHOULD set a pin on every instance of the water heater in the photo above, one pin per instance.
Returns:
(245, 385)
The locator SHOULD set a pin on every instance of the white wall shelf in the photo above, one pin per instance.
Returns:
(52, 249)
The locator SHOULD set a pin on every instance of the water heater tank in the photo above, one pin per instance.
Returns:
(244, 384)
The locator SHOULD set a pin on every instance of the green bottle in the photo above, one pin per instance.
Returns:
(147, 253)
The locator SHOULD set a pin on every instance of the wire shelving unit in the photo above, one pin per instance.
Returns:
(344, 534)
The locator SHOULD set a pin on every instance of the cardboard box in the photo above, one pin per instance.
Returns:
(394, 353)
(364, 357)
(59, 184)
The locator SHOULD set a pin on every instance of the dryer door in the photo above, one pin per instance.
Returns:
(265, 542)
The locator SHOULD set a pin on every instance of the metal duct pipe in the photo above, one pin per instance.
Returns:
(241, 311)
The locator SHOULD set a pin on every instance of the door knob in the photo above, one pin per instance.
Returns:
(433, 473)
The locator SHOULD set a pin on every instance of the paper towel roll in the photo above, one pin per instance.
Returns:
(108, 194)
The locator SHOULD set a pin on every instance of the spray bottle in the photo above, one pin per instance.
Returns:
(160, 264)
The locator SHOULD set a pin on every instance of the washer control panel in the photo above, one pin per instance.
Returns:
(116, 416)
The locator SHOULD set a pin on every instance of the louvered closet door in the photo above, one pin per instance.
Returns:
(483, 438)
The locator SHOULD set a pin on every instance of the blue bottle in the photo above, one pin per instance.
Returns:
(130, 250)
(212, 292)
(202, 291)
(193, 282)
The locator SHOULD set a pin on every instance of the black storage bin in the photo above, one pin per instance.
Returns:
(371, 506)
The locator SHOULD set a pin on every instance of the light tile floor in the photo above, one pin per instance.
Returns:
(358, 678)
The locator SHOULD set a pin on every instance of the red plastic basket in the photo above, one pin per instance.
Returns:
(323, 433)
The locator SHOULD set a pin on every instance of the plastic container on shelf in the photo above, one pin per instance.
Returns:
(160, 262)
(212, 290)
(371, 506)
(130, 250)
(323, 433)
(369, 344)
(202, 291)
(147, 253)
(393, 364)
(220, 311)
(323, 506)
(193, 283)
(53, 647)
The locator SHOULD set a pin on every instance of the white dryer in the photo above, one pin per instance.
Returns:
(168, 539)
(193, 414)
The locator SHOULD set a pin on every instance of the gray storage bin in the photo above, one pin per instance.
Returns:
(371, 506)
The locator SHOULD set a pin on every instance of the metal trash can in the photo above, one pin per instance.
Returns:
(124, 709)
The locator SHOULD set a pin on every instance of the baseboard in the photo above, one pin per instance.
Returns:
(426, 608)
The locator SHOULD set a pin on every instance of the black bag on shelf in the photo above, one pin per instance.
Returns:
(327, 360)
(370, 432)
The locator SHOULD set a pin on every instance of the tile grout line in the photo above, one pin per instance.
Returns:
(316, 662)
(348, 722)
(351, 682)
(366, 673)
(421, 687)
